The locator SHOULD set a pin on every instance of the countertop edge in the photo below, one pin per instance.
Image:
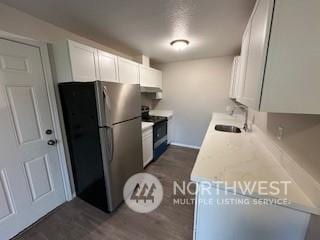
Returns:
(293, 205)
(162, 113)
(146, 125)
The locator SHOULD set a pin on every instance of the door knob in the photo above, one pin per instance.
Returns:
(48, 131)
(52, 142)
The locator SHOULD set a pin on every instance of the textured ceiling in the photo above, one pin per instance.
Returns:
(213, 27)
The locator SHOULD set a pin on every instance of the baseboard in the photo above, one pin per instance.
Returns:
(185, 145)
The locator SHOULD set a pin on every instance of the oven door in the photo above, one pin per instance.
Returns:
(159, 134)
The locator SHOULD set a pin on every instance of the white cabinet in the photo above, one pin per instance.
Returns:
(217, 211)
(150, 77)
(158, 74)
(235, 77)
(128, 71)
(292, 77)
(84, 62)
(147, 145)
(243, 60)
(260, 22)
(281, 63)
(108, 67)
(80, 63)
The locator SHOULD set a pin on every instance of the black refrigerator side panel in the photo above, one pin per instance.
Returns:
(81, 122)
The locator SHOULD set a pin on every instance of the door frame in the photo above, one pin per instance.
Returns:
(43, 48)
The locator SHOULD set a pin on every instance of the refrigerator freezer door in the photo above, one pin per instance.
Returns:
(117, 102)
(122, 158)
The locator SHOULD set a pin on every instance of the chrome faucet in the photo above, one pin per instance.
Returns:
(245, 125)
(245, 110)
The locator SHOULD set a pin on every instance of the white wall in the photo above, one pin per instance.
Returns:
(193, 90)
(301, 139)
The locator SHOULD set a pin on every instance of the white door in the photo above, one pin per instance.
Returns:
(108, 67)
(31, 182)
(84, 62)
(128, 71)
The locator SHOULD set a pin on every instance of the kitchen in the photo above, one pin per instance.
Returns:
(198, 97)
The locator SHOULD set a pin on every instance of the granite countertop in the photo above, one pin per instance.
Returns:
(229, 157)
(146, 125)
(162, 113)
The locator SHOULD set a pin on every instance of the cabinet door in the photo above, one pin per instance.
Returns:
(84, 62)
(258, 43)
(150, 77)
(215, 217)
(243, 60)
(233, 83)
(292, 76)
(107, 67)
(147, 146)
(158, 75)
(238, 84)
(146, 77)
(128, 71)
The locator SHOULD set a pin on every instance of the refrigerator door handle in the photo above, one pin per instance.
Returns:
(107, 103)
(110, 142)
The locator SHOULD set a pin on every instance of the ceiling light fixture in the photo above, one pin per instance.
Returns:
(179, 44)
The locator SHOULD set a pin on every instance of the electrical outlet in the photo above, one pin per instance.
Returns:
(280, 132)
(253, 119)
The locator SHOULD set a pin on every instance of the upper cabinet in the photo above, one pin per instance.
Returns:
(108, 67)
(280, 57)
(128, 71)
(150, 78)
(80, 63)
(84, 62)
(256, 51)
(235, 75)
(243, 60)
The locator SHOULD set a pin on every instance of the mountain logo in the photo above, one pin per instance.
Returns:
(143, 192)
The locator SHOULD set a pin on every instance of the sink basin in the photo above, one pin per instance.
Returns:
(227, 128)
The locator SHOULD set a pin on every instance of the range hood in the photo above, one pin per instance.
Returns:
(145, 89)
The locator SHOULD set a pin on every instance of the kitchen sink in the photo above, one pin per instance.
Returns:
(227, 128)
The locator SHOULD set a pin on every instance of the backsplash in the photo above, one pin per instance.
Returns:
(301, 137)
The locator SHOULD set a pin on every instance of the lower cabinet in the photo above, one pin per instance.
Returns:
(147, 145)
(220, 214)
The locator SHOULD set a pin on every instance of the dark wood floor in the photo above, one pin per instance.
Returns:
(77, 220)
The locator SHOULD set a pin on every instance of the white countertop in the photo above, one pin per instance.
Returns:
(161, 113)
(230, 157)
(146, 125)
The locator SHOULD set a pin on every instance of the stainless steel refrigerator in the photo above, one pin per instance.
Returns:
(103, 129)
